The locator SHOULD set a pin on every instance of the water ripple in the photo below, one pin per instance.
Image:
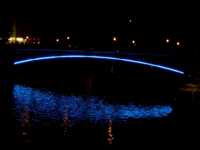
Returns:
(44, 104)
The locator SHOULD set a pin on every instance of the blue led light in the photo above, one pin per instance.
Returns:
(99, 57)
(48, 105)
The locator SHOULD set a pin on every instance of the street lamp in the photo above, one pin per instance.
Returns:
(178, 43)
(57, 40)
(68, 37)
(167, 40)
(133, 42)
(114, 39)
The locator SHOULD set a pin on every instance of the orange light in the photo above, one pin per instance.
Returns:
(19, 39)
(114, 39)
(178, 43)
(12, 39)
(16, 39)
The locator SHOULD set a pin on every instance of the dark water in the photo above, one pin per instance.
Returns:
(43, 116)
(96, 105)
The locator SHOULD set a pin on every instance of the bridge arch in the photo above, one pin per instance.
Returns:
(101, 57)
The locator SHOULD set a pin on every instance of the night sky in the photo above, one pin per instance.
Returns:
(96, 21)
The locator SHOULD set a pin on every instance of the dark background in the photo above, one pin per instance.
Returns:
(178, 18)
(91, 25)
(94, 25)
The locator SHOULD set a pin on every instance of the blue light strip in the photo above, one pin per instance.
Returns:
(99, 57)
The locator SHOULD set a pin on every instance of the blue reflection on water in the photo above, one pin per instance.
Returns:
(44, 104)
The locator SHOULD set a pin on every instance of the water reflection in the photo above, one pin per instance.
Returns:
(65, 122)
(25, 121)
(25, 125)
(110, 137)
(44, 104)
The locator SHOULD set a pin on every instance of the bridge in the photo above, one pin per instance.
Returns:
(162, 64)
(158, 61)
